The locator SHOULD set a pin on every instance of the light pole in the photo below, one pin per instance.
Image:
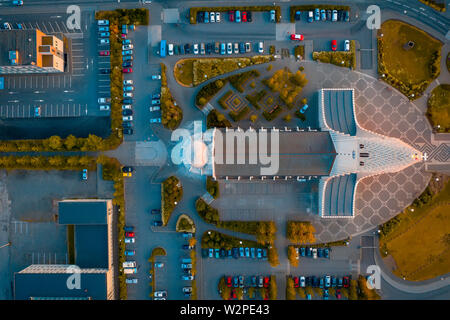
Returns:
(5, 245)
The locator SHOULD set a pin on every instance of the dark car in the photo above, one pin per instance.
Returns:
(333, 282)
(128, 228)
(249, 16)
(208, 48)
(308, 281)
(155, 211)
(229, 253)
(127, 124)
(157, 223)
(222, 253)
(321, 283)
(235, 253)
(127, 131)
(298, 15)
(309, 252)
(200, 15)
(314, 281)
(127, 64)
(187, 48)
(127, 169)
(241, 47)
(346, 16)
(127, 112)
(265, 254)
(187, 247)
(326, 253)
(319, 252)
(204, 253)
(340, 16)
(329, 15)
(346, 282)
(105, 71)
(127, 58)
(339, 282)
(254, 281)
(303, 251)
(127, 101)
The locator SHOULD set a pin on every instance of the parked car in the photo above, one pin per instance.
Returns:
(104, 53)
(334, 16)
(104, 100)
(329, 15)
(105, 71)
(323, 15)
(303, 110)
(216, 253)
(187, 48)
(235, 281)
(159, 265)
(298, 37)
(249, 16)
(259, 253)
(154, 108)
(247, 252)
(103, 34)
(160, 294)
(130, 252)
(327, 281)
(325, 294)
(202, 48)
(129, 234)
(248, 47)
(346, 16)
(302, 282)
(200, 16)
(127, 124)
(195, 48)
(104, 107)
(314, 253)
(103, 22)
(187, 247)
(103, 41)
(236, 48)
(186, 266)
(157, 223)
(84, 174)
(346, 282)
(334, 282)
(260, 281)
(319, 252)
(129, 240)
(206, 17)
(217, 16)
(241, 47)
(228, 281)
(231, 15)
(103, 29)
(127, 118)
(303, 251)
(156, 101)
(128, 228)
(155, 120)
(210, 253)
(127, 52)
(212, 17)
(321, 283)
(235, 252)
(128, 88)
(128, 95)
(272, 16)
(127, 58)
(127, 131)
(127, 100)
(347, 45)
(238, 16)
(241, 281)
(264, 254)
(131, 281)
(339, 282)
(241, 252)
(296, 282)
(208, 48)
(127, 70)
(316, 14)
(244, 16)
(333, 45)
(229, 48)
(170, 49)
(253, 253)
(261, 47)
(266, 282)
(298, 15)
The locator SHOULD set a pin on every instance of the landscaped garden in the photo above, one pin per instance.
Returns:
(185, 224)
(408, 58)
(345, 59)
(172, 192)
(171, 113)
(418, 239)
(194, 71)
(439, 108)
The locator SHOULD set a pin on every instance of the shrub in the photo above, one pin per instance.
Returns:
(253, 118)
(299, 52)
(218, 240)
(273, 114)
(272, 49)
(292, 256)
(436, 5)
(208, 213)
(212, 186)
(171, 114)
(290, 290)
(215, 119)
(300, 232)
(273, 288)
(254, 99)
(272, 256)
(300, 115)
(238, 116)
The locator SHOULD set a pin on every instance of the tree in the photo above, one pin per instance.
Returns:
(273, 256)
(353, 290)
(290, 290)
(55, 142)
(300, 232)
(304, 101)
(192, 242)
(292, 256)
(287, 117)
(253, 118)
(70, 142)
(301, 293)
(273, 288)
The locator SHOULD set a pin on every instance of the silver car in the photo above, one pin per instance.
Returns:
(229, 48)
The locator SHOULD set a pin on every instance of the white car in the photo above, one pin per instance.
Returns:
(156, 108)
(236, 48)
(229, 48)
(195, 48)
(103, 22)
(126, 106)
(314, 253)
(128, 118)
(160, 294)
(131, 281)
(170, 49)
(129, 240)
(155, 120)
(104, 100)
(347, 45)
(260, 47)
(156, 77)
(334, 16)
(125, 82)
(212, 17)
(128, 94)
(104, 107)
(127, 47)
(217, 16)
(302, 281)
(104, 41)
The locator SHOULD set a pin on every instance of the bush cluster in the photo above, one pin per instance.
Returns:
(273, 114)
(48, 163)
(218, 240)
(212, 186)
(439, 6)
(215, 119)
(300, 232)
(254, 99)
(337, 57)
(171, 114)
(238, 116)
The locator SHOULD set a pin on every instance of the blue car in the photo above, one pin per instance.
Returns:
(264, 254)
(253, 253)
(323, 15)
(326, 253)
(259, 253)
(319, 252)
(238, 16)
(247, 252)
(346, 16)
(304, 108)
(217, 253)
(325, 294)
(303, 251)
(316, 14)
(211, 252)
(85, 174)
(128, 229)
(130, 252)
(321, 282)
(241, 252)
(206, 20)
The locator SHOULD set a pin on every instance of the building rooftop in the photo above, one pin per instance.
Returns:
(23, 41)
(54, 286)
(300, 154)
(91, 246)
(338, 110)
(82, 211)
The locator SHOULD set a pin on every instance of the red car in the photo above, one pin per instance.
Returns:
(333, 45)
(296, 283)
(127, 70)
(298, 37)
(104, 53)
(129, 234)
(231, 15)
(346, 282)
(338, 293)
(266, 282)
(244, 16)
(229, 282)
(233, 294)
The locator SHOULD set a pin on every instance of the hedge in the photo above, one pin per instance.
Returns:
(215, 119)
(439, 6)
(212, 186)
(224, 98)
(172, 192)
(292, 9)
(238, 116)
(254, 99)
(138, 16)
(48, 163)
(171, 114)
(336, 57)
(272, 115)
(218, 240)
(299, 51)
(193, 11)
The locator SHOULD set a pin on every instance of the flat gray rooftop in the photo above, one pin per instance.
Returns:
(11, 40)
(300, 154)
(82, 212)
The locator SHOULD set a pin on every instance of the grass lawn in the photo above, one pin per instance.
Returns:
(439, 107)
(192, 72)
(420, 243)
(409, 66)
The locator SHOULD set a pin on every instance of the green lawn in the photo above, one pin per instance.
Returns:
(420, 241)
(439, 107)
(408, 66)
